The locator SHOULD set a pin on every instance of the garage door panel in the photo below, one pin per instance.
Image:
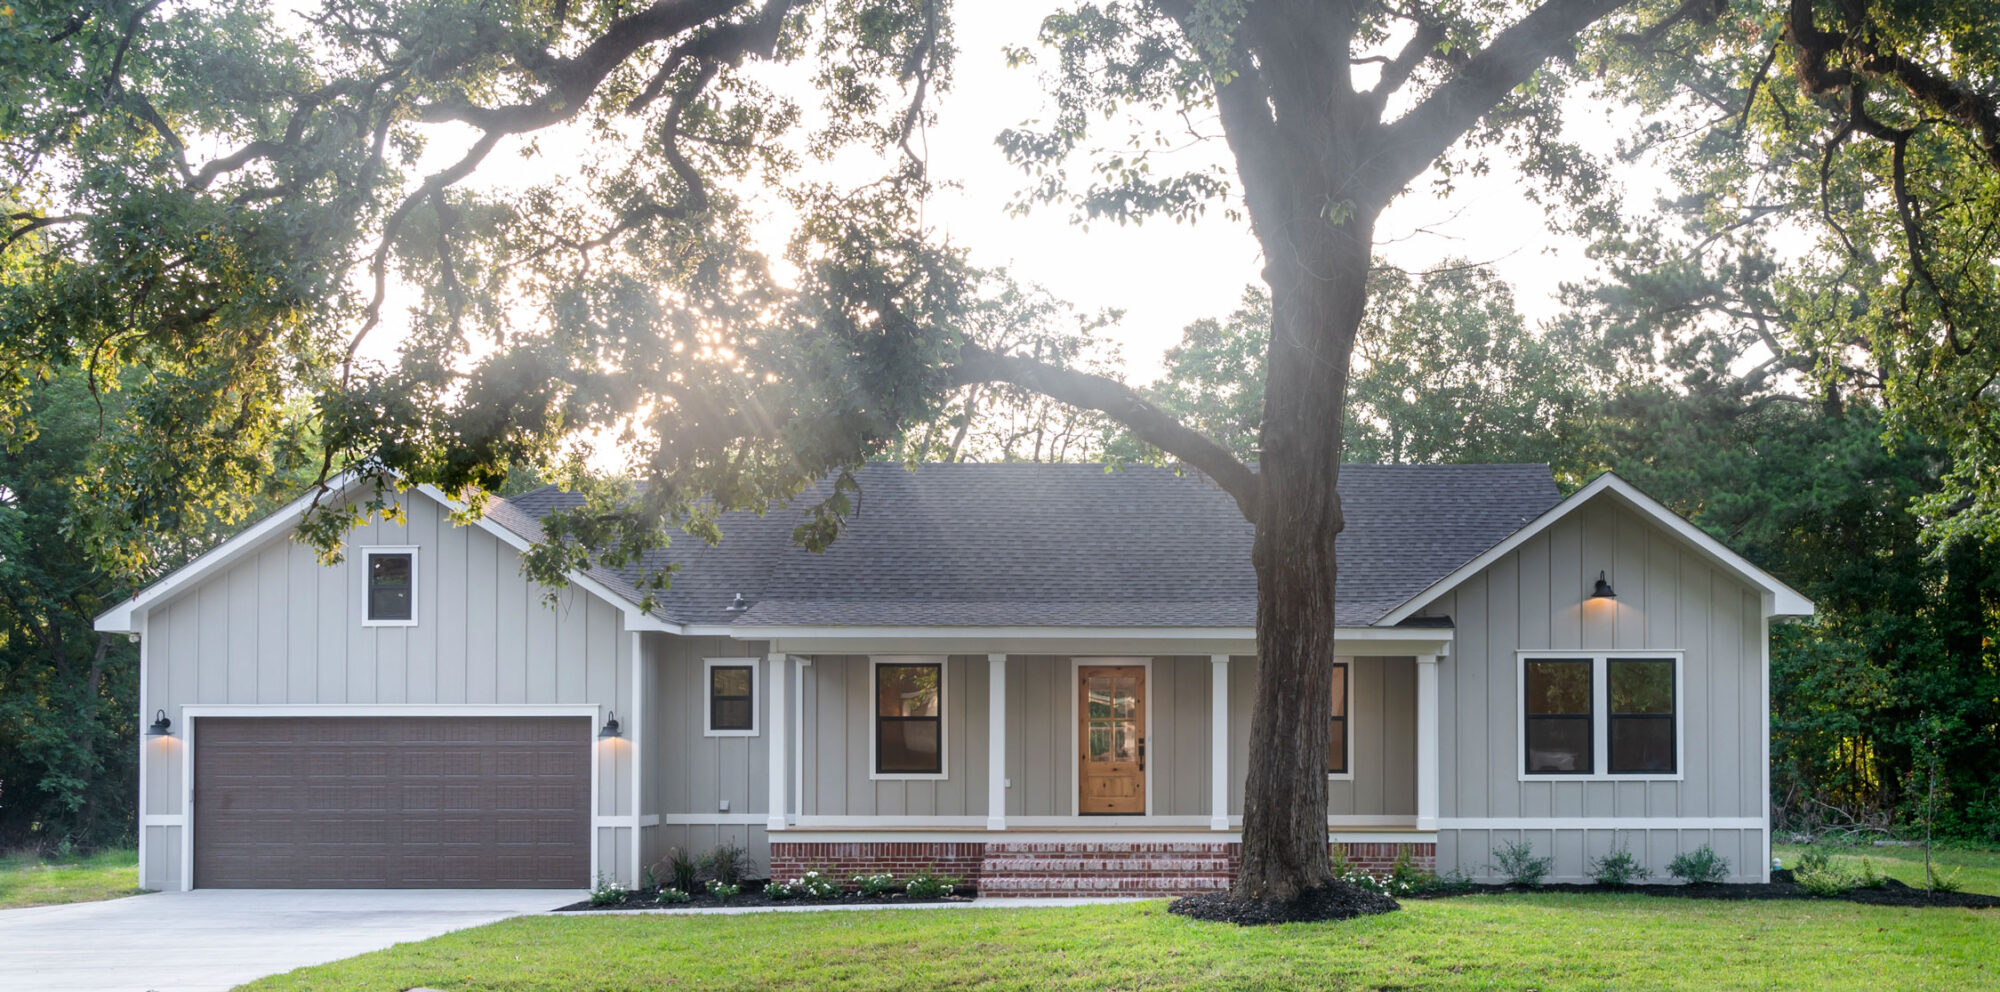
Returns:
(340, 802)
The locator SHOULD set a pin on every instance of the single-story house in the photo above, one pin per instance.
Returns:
(1037, 677)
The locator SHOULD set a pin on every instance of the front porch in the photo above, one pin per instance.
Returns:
(1028, 740)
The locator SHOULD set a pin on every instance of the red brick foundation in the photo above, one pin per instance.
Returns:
(1103, 867)
(789, 861)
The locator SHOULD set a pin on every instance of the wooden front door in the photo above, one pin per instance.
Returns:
(1111, 739)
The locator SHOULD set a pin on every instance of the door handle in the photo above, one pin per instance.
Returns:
(1142, 754)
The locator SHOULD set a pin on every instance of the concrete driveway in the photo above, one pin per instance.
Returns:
(214, 939)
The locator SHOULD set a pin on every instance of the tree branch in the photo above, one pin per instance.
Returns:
(1417, 138)
(1124, 405)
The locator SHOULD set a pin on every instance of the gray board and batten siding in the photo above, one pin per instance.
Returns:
(1670, 599)
(275, 627)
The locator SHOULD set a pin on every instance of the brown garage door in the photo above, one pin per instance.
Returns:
(392, 802)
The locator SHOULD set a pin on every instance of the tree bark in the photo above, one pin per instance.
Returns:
(1317, 292)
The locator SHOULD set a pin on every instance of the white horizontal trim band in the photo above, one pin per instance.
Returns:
(163, 820)
(983, 836)
(1602, 823)
(590, 710)
(713, 819)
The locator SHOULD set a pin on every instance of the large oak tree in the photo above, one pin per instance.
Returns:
(212, 206)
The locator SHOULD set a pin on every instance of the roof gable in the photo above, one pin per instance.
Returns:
(1780, 600)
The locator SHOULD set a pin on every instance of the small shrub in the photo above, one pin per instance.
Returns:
(927, 885)
(1700, 866)
(674, 895)
(1360, 879)
(1946, 883)
(874, 886)
(781, 891)
(1405, 877)
(1812, 860)
(723, 891)
(816, 885)
(1870, 878)
(681, 869)
(725, 864)
(1825, 882)
(607, 892)
(1516, 862)
(1618, 869)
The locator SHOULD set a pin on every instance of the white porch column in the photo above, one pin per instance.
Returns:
(779, 747)
(996, 742)
(1218, 742)
(639, 713)
(1427, 742)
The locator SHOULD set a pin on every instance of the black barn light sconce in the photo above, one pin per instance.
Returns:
(1603, 590)
(162, 727)
(610, 728)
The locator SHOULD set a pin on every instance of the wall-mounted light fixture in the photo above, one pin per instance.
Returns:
(610, 728)
(162, 727)
(1603, 590)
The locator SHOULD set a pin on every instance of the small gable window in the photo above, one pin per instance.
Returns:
(732, 697)
(389, 586)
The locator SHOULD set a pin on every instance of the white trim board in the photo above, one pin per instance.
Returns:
(1779, 599)
(1601, 823)
(980, 835)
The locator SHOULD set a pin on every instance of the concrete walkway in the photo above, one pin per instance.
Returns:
(210, 940)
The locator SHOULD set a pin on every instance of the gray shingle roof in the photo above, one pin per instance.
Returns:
(1068, 545)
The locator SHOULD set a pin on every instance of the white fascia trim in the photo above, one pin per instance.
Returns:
(1779, 599)
(591, 710)
(124, 618)
(1601, 823)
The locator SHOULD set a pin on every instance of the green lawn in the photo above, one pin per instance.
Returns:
(30, 880)
(1978, 869)
(1546, 942)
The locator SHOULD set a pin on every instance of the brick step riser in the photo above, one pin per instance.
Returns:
(1012, 865)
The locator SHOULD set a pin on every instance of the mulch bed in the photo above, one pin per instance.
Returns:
(1781, 886)
(747, 899)
(1338, 901)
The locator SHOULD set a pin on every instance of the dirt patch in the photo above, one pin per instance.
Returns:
(1338, 901)
(1781, 886)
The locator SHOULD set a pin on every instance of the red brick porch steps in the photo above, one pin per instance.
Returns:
(1097, 868)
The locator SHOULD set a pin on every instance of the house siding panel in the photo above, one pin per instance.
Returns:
(275, 626)
(1669, 598)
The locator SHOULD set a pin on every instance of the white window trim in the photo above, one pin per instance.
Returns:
(1600, 714)
(944, 717)
(372, 550)
(1076, 667)
(708, 667)
(1347, 724)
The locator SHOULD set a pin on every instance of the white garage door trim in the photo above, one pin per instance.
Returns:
(190, 718)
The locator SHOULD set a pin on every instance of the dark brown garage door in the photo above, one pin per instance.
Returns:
(392, 802)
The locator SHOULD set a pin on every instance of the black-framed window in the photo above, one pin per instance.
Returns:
(909, 722)
(731, 702)
(1336, 739)
(1640, 716)
(392, 577)
(1557, 708)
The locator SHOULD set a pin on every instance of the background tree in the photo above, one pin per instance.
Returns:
(228, 198)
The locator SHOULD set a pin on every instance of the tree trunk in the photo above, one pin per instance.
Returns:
(1318, 290)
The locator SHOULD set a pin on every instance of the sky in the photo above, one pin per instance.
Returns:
(1161, 274)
